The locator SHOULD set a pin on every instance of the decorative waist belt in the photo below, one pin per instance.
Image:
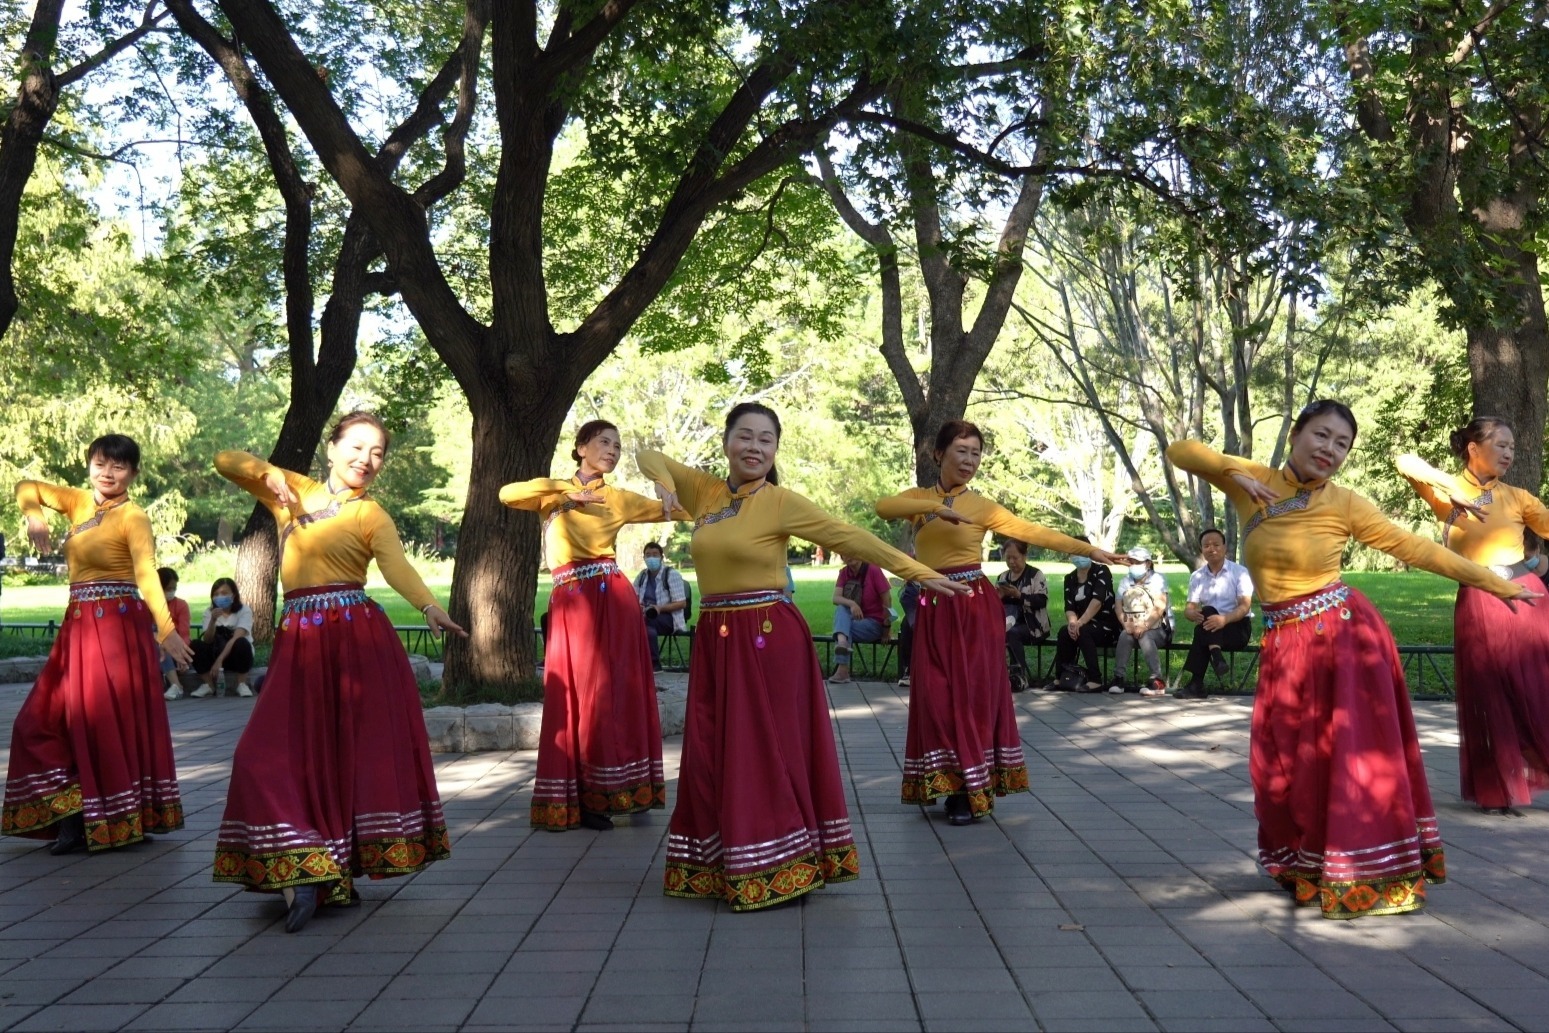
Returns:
(91, 591)
(581, 571)
(1305, 609)
(1511, 571)
(325, 600)
(964, 574)
(741, 600)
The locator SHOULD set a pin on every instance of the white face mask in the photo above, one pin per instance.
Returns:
(1137, 571)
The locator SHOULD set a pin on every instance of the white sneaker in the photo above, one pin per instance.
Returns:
(243, 690)
(1116, 689)
(202, 692)
(903, 683)
(174, 692)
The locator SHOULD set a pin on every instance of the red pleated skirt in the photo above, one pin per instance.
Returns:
(1345, 815)
(332, 778)
(600, 748)
(92, 737)
(760, 816)
(963, 735)
(1502, 677)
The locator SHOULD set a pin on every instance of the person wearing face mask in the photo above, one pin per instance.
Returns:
(1501, 657)
(963, 744)
(760, 818)
(663, 598)
(1220, 606)
(332, 777)
(1090, 623)
(91, 763)
(226, 643)
(1146, 620)
(1346, 822)
(182, 619)
(600, 745)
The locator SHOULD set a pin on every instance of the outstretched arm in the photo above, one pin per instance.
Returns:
(275, 487)
(1439, 489)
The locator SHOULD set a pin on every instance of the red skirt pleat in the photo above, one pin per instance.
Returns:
(963, 735)
(332, 777)
(760, 816)
(600, 748)
(92, 737)
(1502, 677)
(1345, 815)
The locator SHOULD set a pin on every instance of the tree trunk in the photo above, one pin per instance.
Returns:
(495, 580)
(37, 96)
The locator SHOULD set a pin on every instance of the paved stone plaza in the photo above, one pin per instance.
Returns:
(1120, 895)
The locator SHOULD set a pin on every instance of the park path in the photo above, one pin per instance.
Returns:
(1120, 895)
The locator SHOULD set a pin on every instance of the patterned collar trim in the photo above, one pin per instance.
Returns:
(103, 509)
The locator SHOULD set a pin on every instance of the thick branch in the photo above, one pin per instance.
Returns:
(396, 220)
(149, 22)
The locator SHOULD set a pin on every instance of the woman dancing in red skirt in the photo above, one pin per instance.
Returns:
(600, 749)
(1502, 672)
(963, 741)
(760, 818)
(1345, 815)
(91, 754)
(332, 777)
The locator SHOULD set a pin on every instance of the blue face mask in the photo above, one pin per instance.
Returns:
(653, 563)
(221, 601)
(1531, 562)
(1081, 562)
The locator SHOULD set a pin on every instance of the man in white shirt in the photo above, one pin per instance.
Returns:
(1221, 607)
(663, 600)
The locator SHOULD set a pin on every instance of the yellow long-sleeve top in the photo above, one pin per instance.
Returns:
(740, 537)
(944, 545)
(574, 532)
(111, 542)
(1495, 542)
(327, 538)
(1293, 546)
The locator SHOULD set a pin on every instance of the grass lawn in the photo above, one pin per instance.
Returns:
(1417, 604)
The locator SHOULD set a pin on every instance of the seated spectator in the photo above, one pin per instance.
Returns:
(1090, 623)
(663, 599)
(182, 619)
(226, 643)
(861, 597)
(909, 603)
(1145, 620)
(1024, 593)
(1221, 606)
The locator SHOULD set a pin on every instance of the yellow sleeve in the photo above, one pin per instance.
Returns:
(1369, 527)
(142, 553)
(693, 487)
(35, 496)
(907, 505)
(1535, 515)
(382, 539)
(635, 508)
(535, 494)
(1424, 478)
(801, 518)
(1203, 461)
(248, 472)
(1002, 521)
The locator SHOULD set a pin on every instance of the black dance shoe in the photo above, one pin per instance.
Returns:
(959, 810)
(72, 836)
(303, 905)
(596, 822)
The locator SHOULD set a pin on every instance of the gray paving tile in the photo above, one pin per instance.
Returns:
(289, 1016)
(202, 1015)
(83, 1017)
